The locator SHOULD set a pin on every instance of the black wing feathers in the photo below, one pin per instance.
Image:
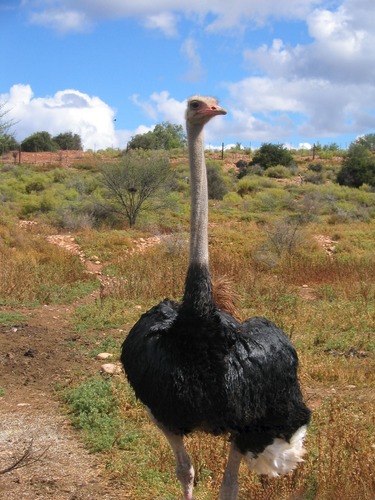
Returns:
(213, 373)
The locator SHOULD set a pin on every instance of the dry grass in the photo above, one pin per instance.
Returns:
(34, 272)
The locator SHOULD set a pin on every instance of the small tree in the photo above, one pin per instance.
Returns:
(68, 141)
(8, 143)
(40, 141)
(358, 166)
(132, 182)
(217, 188)
(269, 155)
(142, 141)
(164, 136)
(243, 167)
(368, 141)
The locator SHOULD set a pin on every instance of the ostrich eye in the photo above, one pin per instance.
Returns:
(194, 104)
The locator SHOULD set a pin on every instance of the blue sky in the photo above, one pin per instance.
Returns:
(108, 69)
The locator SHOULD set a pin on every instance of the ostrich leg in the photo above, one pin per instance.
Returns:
(229, 486)
(184, 469)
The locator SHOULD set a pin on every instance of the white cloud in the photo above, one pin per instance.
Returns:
(190, 51)
(168, 108)
(62, 21)
(67, 110)
(74, 111)
(267, 108)
(162, 107)
(160, 14)
(327, 86)
(147, 107)
(341, 48)
(165, 22)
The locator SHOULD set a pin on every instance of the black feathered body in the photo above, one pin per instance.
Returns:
(196, 367)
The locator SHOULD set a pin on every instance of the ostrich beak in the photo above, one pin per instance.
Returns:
(213, 111)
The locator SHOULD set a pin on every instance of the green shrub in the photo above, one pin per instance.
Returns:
(272, 199)
(278, 172)
(249, 184)
(35, 185)
(232, 199)
(358, 167)
(315, 167)
(216, 185)
(96, 412)
(315, 178)
(269, 155)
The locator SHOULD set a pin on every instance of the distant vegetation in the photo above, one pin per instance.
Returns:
(358, 167)
(131, 183)
(270, 155)
(43, 141)
(164, 136)
(143, 188)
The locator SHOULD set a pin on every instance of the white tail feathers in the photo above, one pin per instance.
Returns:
(280, 457)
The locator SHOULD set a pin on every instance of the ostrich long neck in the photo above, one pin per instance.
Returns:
(199, 197)
(198, 297)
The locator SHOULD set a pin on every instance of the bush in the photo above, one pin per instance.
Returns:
(348, 212)
(164, 136)
(358, 167)
(95, 410)
(255, 170)
(315, 167)
(216, 185)
(284, 237)
(40, 141)
(131, 183)
(272, 199)
(278, 172)
(252, 185)
(269, 155)
(242, 166)
(232, 199)
(315, 178)
(71, 220)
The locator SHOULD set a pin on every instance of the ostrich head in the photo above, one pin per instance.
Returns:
(201, 109)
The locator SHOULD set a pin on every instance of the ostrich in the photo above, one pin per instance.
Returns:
(195, 367)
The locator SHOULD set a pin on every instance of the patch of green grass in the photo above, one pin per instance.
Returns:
(94, 316)
(108, 344)
(67, 295)
(11, 318)
(2, 392)
(95, 410)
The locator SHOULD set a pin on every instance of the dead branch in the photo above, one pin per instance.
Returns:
(27, 458)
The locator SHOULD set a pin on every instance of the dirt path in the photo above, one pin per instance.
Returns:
(34, 358)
